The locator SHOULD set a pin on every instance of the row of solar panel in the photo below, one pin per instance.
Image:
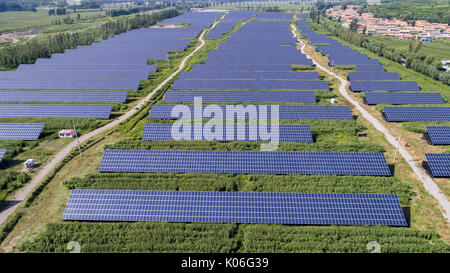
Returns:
(439, 164)
(400, 114)
(250, 85)
(166, 111)
(235, 207)
(142, 161)
(241, 75)
(20, 131)
(241, 96)
(373, 98)
(439, 135)
(225, 133)
(63, 96)
(55, 110)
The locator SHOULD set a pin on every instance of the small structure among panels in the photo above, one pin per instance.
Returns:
(372, 98)
(2, 153)
(20, 131)
(439, 135)
(164, 111)
(235, 207)
(417, 113)
(439, 164)
(142, 161)
(287, 133)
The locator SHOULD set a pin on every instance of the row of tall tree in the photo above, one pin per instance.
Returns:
(426, 65)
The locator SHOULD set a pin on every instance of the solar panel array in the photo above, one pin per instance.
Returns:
(63, 96)
(142, 161)
(249, 85)
(241, 96)
(241, 68)
(235, 207)
(373, 98)
(439, 164)
(287, 133)
(273, 16)
(117, 63)
(369, 68)
(164, 111)
(55, 110)
(439, 135)
(373, 76)
(360, 86)
(2, 153)
(243, 75)
(417, 113)
(20, 131)
(231, 19)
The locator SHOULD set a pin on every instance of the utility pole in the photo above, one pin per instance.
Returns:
(398, 147)
(76, 135)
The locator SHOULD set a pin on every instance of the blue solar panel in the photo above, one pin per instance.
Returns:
(63, 96)
(75, 75)
(417, 113)
(274, 16)
(55, 110)
(359, 86)
(164, 111)
(369, 68)
(240, 67)
(439, 135)
(76, 84)
(235, 207)
(287, 133)
(2, 153)
(241, 96)
(20, 131)
(244, 162)
(242, 75)
(373, 98)
(439, 164)
(373, 76)
(249, 85)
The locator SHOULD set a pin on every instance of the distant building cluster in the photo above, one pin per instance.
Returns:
(421, 29)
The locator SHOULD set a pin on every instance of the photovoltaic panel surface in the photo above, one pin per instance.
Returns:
(55, 110)
(373, 98)
(2, 153)
(439, 135)
(287, 133)
(72, 85)
(241, 75)
(235, 207)
(359, 86)
(142, 161)
(63, 96)
(249, 85)
(439, 164)
(20, 131)
(417, 113)
(373, 76)
(241, 96)
(164, 111)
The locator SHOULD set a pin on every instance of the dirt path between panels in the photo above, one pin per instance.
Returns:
(27, 189)
(428, 183)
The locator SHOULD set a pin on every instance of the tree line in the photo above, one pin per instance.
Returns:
(26, 53)
(427, 65)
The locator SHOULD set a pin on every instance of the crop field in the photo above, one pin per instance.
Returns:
(50, 233)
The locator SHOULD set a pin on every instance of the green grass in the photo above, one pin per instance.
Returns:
(19, 20)
(438, 48)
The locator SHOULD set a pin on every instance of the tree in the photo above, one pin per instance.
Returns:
(354, 25)
(415, 45)
(365, 29)
(344, 7)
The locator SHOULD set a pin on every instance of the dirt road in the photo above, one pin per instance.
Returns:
(25, 191)
(426, 180)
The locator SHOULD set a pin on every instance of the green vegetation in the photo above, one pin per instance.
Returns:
(417, 10)
(11, 181)
(265, 238)
(136, 237)
(427, 65)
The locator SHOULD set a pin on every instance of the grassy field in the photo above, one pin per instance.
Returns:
(438, 48)
(20, 20)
